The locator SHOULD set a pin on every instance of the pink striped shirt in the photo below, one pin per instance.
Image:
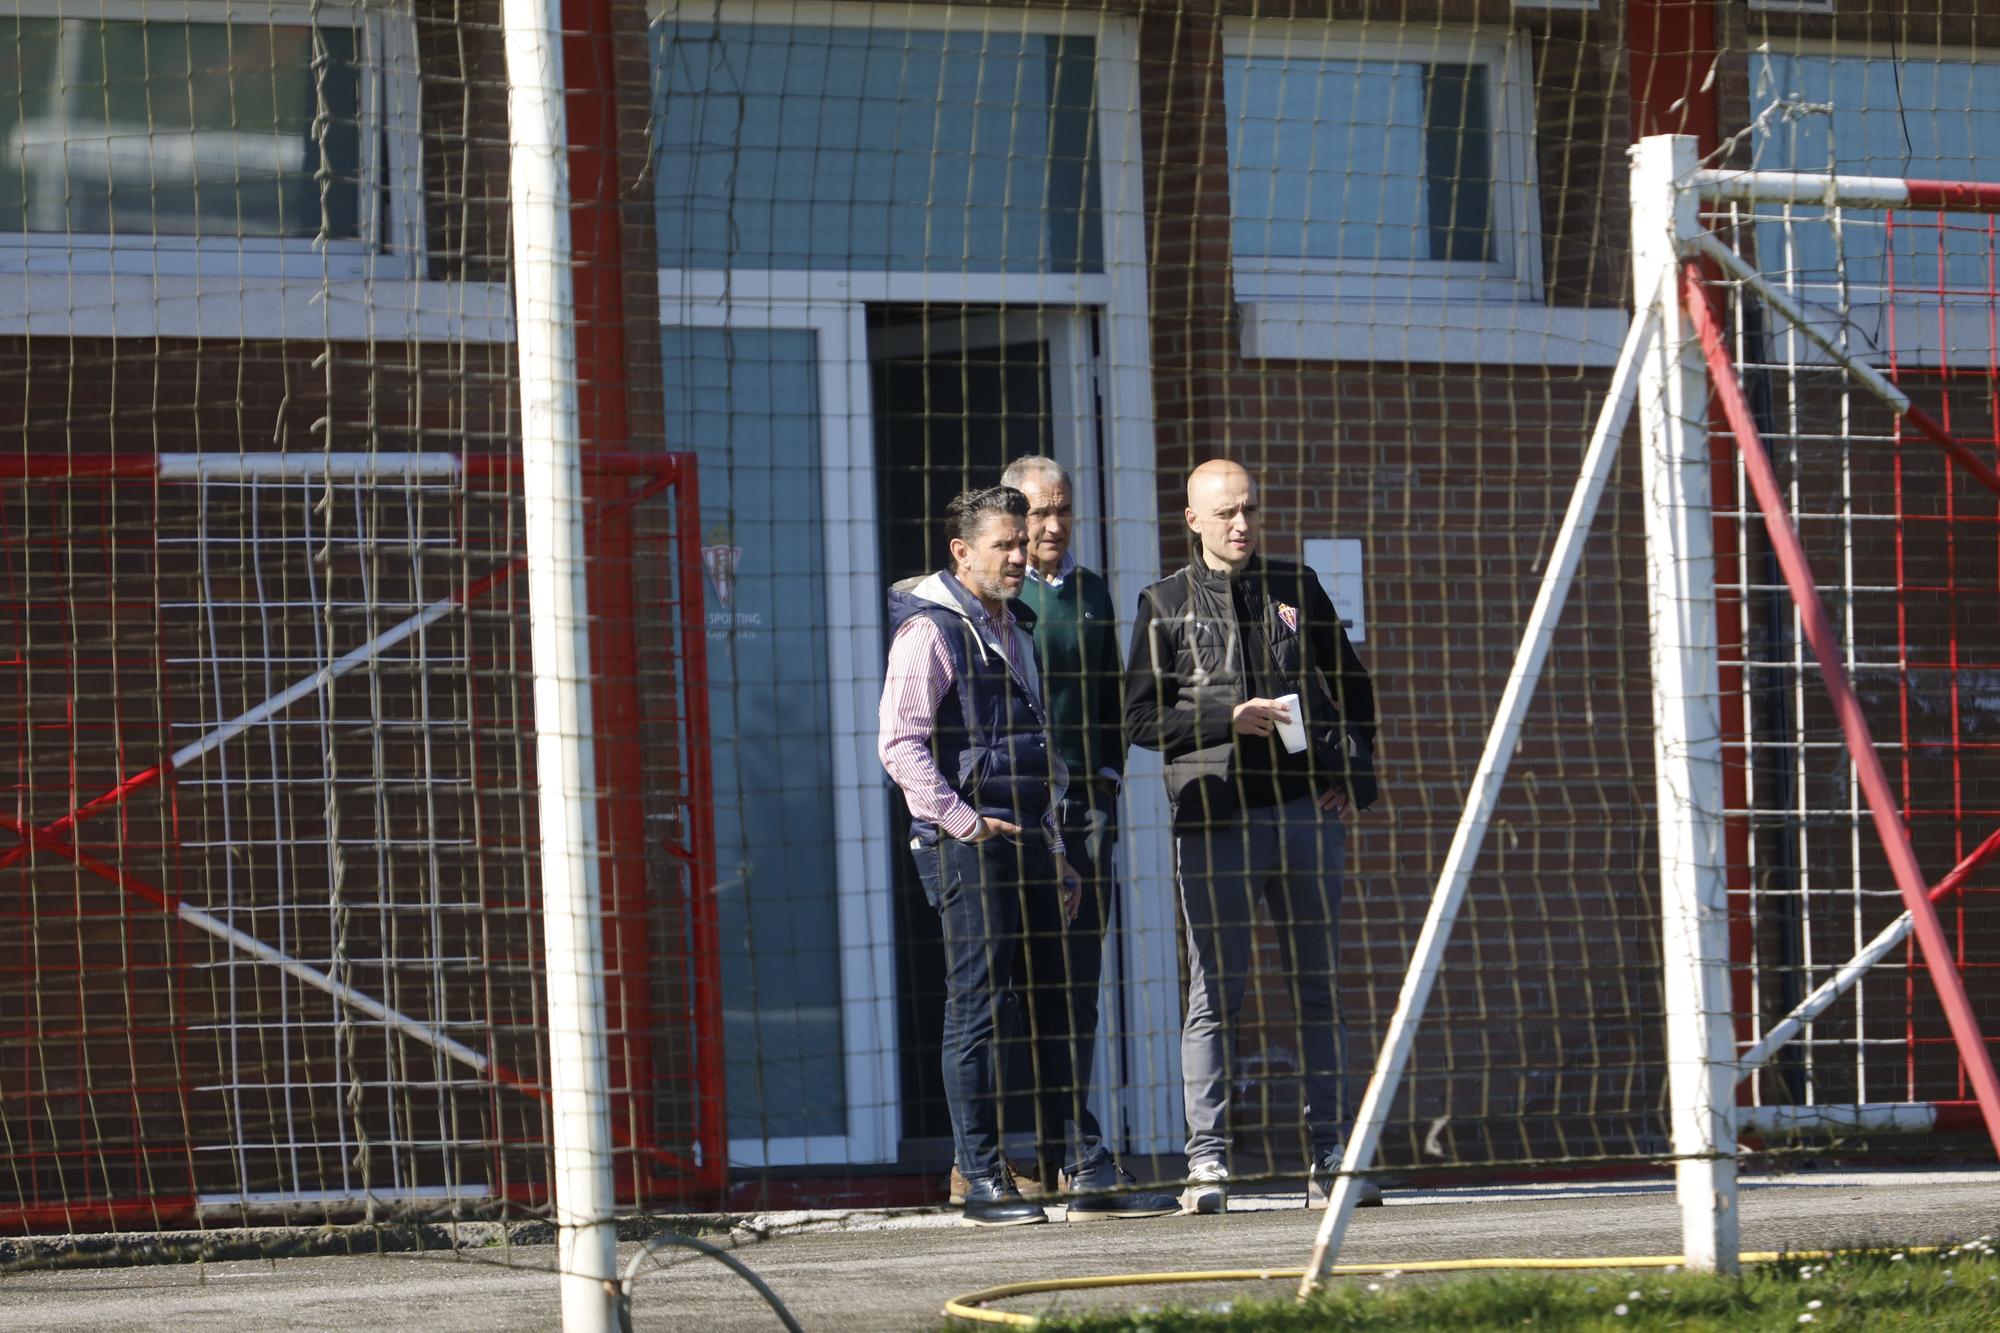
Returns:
(919, 676)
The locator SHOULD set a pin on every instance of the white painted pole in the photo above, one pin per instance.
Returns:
(385, 467)
(552, 482)
(1849, 1118)
(1739, 268)
(1148, 905)
(1800, 187)
(1487, 780)
(1687, 712)
(1825, 994)
(432, 1035)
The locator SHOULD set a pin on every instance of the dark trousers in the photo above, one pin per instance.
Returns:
(1288, 857)
(1090, 835)
(1006, 943)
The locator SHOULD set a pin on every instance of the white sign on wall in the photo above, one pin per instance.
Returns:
(1337, 561)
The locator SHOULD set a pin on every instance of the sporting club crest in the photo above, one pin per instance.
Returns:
(719, 560)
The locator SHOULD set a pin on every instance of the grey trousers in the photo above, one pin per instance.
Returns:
(1288, 857)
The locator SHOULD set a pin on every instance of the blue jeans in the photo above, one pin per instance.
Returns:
(1001, 910)
(1289, 856)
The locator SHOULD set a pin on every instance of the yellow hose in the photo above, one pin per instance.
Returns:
(969, 1306)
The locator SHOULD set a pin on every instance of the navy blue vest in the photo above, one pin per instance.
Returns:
(990, 737)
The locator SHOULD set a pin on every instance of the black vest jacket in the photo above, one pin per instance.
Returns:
(990, 737)
(1194, 609)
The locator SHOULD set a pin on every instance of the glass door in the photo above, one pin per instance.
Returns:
(767, 398)
(958, 392)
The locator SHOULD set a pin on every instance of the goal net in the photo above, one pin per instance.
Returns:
(1864, 341)
(401, 400)
(1817, 441)
(272, 865)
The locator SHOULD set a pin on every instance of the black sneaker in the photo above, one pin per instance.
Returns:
(1319, 1185)
(1106, 1194)
(992, 1201)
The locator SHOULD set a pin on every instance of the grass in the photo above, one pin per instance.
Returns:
(1955, 1288)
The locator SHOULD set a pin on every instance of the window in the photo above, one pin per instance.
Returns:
(214, 142)
(1927, 117)
(1378, 165)
(789, 147)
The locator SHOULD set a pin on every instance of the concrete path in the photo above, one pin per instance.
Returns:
(869, 1272)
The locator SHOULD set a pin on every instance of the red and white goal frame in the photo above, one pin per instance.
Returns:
(270, 858)
(1680, 365)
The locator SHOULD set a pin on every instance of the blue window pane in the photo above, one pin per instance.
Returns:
(747, 401)
(1918, 118)
(862, 149)
(1363, 160)
(143, 129)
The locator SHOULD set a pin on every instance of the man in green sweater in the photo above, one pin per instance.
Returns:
(1076, 634)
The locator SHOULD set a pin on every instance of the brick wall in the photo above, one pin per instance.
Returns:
(127, 1032)
(1544, 1036)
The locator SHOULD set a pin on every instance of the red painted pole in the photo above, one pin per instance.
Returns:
(1964, 457)
(1672, 55)
(1953, 196)
(1965, 869)
(1889, 824)
(590, 75)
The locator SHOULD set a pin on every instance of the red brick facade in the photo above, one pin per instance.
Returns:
(1545, 1037)
(133, 1050)
(1544, 1040)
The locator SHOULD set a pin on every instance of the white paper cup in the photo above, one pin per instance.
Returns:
(1293, 733)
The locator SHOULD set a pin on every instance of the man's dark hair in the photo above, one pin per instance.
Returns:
(968, 510)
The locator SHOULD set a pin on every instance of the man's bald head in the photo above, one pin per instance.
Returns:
(1222, 512)
(1216, 474)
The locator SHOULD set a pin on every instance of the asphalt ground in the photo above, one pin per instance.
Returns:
(878, 1272)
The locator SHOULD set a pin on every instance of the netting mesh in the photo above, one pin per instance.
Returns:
(279, 913)
(1903, 544)
(274, 943)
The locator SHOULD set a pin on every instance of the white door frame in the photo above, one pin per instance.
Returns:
(854, 682)
(1145, 1115)
(1075, 373)
(1108, 378)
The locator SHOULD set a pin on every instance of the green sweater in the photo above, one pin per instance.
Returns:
(1076, 632)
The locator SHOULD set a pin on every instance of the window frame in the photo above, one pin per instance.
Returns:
(1515, 272)
(914, 286)
(390, 167)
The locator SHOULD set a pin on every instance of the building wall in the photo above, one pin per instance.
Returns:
(124, 1032)
(1544, 1038)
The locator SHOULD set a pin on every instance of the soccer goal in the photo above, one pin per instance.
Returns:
(1811, 357)
(282, 887)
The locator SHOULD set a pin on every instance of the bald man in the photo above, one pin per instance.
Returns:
(1215, 649)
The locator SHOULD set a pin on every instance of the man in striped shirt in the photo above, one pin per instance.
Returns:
(965, 734)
